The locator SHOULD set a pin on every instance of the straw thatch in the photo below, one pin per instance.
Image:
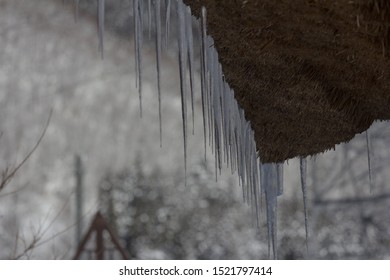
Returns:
(309, 74)
(374, 17)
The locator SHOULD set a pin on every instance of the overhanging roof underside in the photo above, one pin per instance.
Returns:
(308, 74)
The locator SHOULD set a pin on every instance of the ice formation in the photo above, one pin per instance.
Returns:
(368, 144)
(224, 125)
(138, 20)
(269, 182)
(183, 75)
(303, 167)
(157, 9)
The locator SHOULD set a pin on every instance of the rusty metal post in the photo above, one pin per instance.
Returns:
(98, 226)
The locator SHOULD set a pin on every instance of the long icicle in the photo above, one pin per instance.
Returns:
(167, 21)
(150, 18)
(303, 168)
(138, 46)
(279, 172)
(203, 88)
(183, 84)
(225, 122)
(101, 7)
(135, 25)
(158, 59)
(190, 44)
(210, 67)
(203, 33)
(256, 189)
(368, 144)
(217, 111)
(268, 182)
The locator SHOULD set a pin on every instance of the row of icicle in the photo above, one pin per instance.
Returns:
(224, 125)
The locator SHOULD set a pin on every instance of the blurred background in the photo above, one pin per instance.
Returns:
(97, 154)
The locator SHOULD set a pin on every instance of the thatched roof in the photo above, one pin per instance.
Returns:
(308, 73)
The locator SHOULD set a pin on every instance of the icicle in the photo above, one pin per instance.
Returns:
(255, 172)
(101, 26)
(210, 112)
(368, 144)
(190, 44)
(241, 146)
(255, 213)
(150, 17)
(303, 168)
(252, 167)
(262, 188)
(240, 154)
(216, 109)
(268, 180)
(217, 116)
(216, 154)
(167, 21)
(204, 89)
(158, 59)
(226, 121)
(221, 111)
(233, 124)
(210, 66)
(228, 130)
(237, 148)
(247, 161)
(183, 83)
(137, 9)
(279, 172)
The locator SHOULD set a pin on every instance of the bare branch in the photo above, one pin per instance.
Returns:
(348, 201)
(13, 192)
(7, 174)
